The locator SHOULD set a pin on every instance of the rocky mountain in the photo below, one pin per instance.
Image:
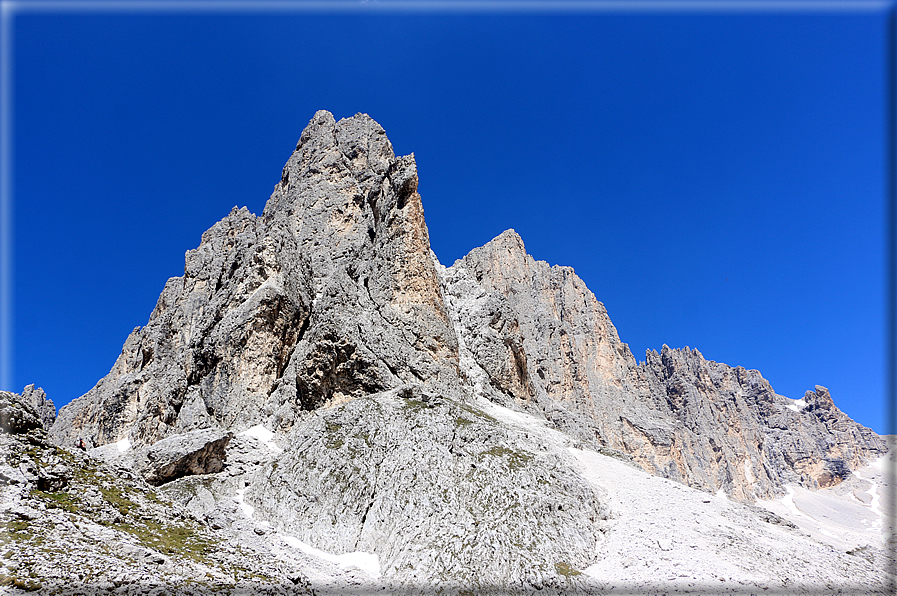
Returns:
(318, 375)
(680, 416)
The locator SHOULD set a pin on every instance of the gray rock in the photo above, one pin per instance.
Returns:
(677, 415)
(215, 346)
(44, 407)
(17, 415)
(193, 453)
(328, 321)
(107, 532)
(330, 294)
(434, 488)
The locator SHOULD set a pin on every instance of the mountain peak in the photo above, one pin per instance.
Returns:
(378, 402)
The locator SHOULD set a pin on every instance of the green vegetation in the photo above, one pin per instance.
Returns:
(365, 437)
(58, 500)
(14, 531)
(333, 440)
(117, 498)
(415, 405)
(172, 540)
(477, 413)
(516, 459)
(564, 569)
(20, 583)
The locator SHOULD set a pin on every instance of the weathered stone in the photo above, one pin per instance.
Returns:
(330, 294)
(678, 415)
(44, 407)
(17, 415)
(432, 485)
(196, 452)
(106, 532)
(353, 372)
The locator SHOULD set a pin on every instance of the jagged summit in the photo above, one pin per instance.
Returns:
(330, 294)
(333, 294)
(327, 325)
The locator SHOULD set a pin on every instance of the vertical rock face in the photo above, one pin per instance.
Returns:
(569, 350)
(330, 294)
(732, 431)
(329, 321)
(44, 407)
(680, 416)
(215, 346)
(378, 318)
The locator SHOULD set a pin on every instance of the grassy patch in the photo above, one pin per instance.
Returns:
(118, 499)
(15, 531)
(476, 412)
(60, 500)
(516, 459)
(415, 405)
(333, 440)
(152, 496)
(18, 582)
(172, 540)
(366, 437)
(563, 569)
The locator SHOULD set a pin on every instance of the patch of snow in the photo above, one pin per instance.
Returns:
(123, 445)
(788, 500)
(246, 507)
(748, 472)
(721, 494)
(264, 435)
(367, 562)
(882, 462)
(594, 571)
(873, 492)
(507, 415)
(831, 516)
(796, 404)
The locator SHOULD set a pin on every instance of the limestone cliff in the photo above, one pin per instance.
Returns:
(330, 294)
(333, 293)
(678, 415)
(327, 322)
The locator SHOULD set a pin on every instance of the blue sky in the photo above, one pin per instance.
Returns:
(716, 179)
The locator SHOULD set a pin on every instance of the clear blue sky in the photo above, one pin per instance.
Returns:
(716, 179)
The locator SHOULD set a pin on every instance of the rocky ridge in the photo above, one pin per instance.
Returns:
(328, 328)
(549, 342)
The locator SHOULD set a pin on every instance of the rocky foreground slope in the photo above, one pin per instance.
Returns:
(317, 373)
